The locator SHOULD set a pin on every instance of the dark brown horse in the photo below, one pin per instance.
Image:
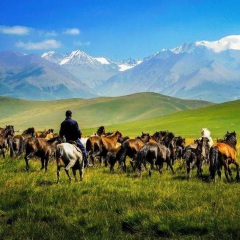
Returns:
(195, 154)
(155, 154)
(7, 131)
(222, 154)
(42, 148)
(17, 143)
(3, 146)
(129, 149)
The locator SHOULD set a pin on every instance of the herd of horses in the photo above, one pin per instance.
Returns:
(145, 151)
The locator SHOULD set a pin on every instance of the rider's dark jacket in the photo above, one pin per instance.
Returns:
(70, 129)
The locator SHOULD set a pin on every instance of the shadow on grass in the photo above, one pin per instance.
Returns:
(44, 183)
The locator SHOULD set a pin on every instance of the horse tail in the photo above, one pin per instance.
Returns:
(88, 145)
(58, 156)
(213, 161)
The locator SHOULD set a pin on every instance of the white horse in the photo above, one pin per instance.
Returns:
(206, 133)
(69, 156)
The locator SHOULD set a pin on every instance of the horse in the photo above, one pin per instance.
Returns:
(195, 154)
(206, 133)
(44, 133)
(7, 131)
(17, 143)
(223, 154)
(180, 144)
(129, 148)
(106, 144)
(95, 144)
(155, 154)
(69, 156)
(42, 148)
(94, 139)
(3, 146)
(158, 136)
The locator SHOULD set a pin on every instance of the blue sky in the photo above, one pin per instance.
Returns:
(117, 29)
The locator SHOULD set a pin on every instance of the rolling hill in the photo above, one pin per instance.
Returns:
(91, 113)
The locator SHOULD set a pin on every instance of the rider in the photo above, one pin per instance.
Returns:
(71, 131)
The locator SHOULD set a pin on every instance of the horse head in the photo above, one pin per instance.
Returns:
(101, 130)
(30, 131)
(8, 131)
(231, 139)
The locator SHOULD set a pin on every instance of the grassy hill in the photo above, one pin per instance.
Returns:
(217, 118)
(91, 113)
(119, 205)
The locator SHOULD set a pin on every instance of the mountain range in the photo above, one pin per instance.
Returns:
(201, 70)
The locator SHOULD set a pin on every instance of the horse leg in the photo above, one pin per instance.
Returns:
(226, 166)
(160, 166)
(168, 160)
(27, 157)
(46, 163)
(230, 173)
(81, 173)
(188, 170)
(42, 162)
(74, 174)
(67, 172)
(58, 173)
(237, 169)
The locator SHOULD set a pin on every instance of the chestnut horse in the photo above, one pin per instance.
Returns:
(223, 154)
(129, 148)
(105, 144)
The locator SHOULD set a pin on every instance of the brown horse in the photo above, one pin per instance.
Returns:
(17, 143)
(104, 144)
(3, 146)
(129, 148)
(195, 155)
(42, 148)
(155, 154)
(223, 154)
(44, 133)
(92, 143)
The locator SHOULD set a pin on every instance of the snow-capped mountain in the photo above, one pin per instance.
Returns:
(201, 70)
(93, 71)
(32, 77)
(53, 57)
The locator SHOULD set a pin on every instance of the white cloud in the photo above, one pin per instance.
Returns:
(79, 43)
(15, 30)
(72, 31)
(46, 44)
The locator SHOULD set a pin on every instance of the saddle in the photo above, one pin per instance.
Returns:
(75, 145)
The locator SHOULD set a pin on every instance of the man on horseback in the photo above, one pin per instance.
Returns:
(71, 131)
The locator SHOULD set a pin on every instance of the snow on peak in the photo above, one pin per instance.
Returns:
(102, 60)
(77, 57)
(226, 43)
(52, 56)
(48, 54)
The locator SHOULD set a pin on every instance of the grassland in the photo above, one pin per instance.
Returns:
(122, 205)
(91, 113)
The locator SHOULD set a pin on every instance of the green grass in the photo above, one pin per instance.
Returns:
(114, 206)
(90, 113)
(119, 205)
